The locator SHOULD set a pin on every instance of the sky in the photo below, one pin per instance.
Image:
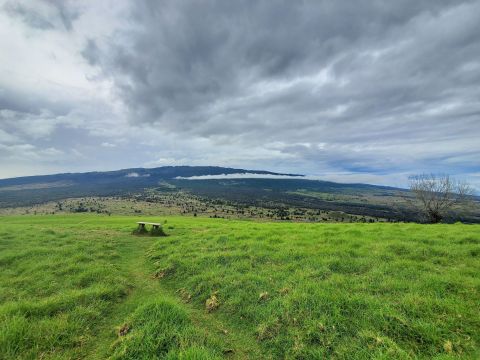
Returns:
(350, 91)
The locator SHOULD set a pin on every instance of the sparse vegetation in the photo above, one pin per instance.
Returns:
(439, 194)
(159, 191)
(185, 204)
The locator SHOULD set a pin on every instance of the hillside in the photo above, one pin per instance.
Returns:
(82, 286)
(173, 189)
(37, 189)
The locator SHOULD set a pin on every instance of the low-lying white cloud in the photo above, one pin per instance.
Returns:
(238, 176)
(136, 175)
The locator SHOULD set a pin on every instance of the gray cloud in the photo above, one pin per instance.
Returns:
(319, 87)
(44, 14)
(350, 81)
(29, 16)
(91, 52)
(212, 67)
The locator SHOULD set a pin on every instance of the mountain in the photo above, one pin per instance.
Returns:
(285, 197)
(126, 175)
(29, 190)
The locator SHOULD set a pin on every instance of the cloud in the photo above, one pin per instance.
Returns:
(238, 176)
(212, 68)
(91, 52)
(372, 91)
(136, 175)
(28, 152)
(29, 16)
(6, 138)
(262, 72)
(44, 14)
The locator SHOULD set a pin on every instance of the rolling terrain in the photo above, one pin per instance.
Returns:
(38, 189)
(82, 286)
(281, 198)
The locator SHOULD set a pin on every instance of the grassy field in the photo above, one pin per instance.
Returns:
(182, 204)
(82, 286)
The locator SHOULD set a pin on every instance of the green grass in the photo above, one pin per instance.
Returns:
(82, 286)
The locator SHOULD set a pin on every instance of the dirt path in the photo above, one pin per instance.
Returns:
(144, 288)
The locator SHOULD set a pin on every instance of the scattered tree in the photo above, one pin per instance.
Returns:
(438, 194)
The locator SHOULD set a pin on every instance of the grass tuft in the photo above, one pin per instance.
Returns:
(160, 329)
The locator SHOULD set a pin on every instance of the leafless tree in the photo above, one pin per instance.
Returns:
(439, 194)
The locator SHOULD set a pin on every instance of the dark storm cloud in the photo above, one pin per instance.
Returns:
(313, 86)
(356, 78)
(200, 66)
